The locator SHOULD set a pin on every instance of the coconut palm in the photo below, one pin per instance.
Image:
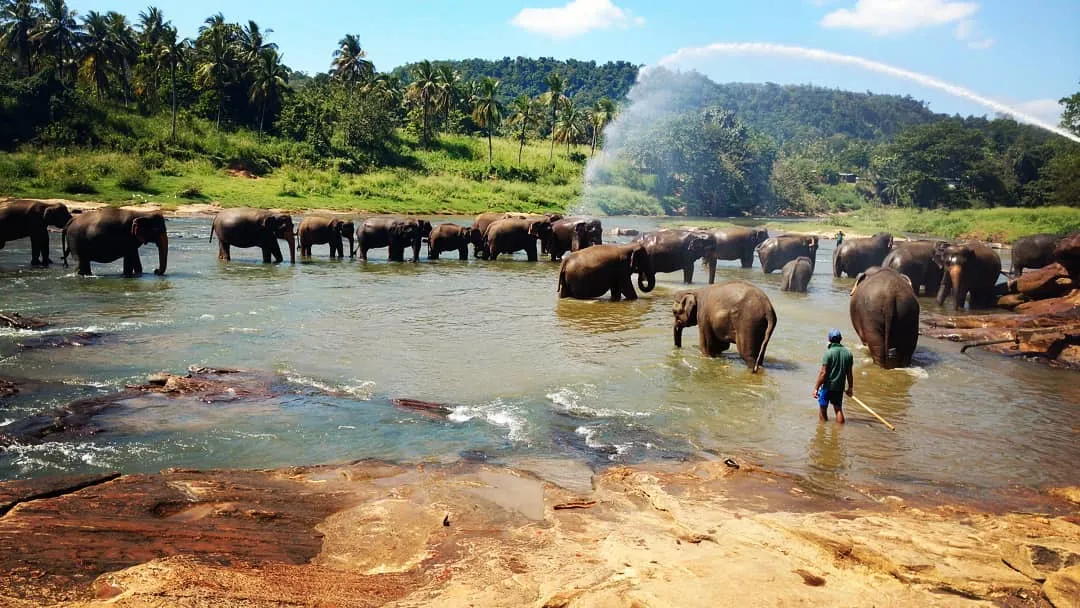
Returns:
(58, 33)
(216, 65)
(570, 125)
(151, 26)
(271, 78)
(601, 114)
(95, 53)
(447, 91)
(172, 53)
(553, 99)
(386, 86)
(526, 114)
(252, 44)
(487, 111)
(423, 91)
(349, 64)
(17, 21)
(122, 49)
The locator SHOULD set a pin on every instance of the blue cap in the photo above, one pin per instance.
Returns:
(834, 335)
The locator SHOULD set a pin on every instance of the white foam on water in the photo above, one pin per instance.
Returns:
(244, 330)
(7, 421)
(63, 456)
(363, 390)
(495, 413)
(916, 372)
(207, 317)
(346, 427)
(568, 400)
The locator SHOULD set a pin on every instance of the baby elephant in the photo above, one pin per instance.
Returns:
(797, 274)
(451, 237)
(322, 230)
(735, 311)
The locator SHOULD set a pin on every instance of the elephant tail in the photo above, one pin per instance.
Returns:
(765, 342)
(889, 314)
(562, 276)
(64, 249)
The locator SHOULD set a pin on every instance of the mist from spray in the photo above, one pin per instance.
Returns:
(798, 52)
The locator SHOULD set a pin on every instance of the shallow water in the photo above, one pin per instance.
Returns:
(525, 374)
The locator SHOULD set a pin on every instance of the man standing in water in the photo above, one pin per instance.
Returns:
(839, 237)
(834, 377)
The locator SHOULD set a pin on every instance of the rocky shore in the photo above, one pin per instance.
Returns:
(375, 534)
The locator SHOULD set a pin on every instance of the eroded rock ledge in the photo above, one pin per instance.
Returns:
(372, 534)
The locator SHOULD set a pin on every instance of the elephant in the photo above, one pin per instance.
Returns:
(797, 274)
(776, 251)
(21, 219)
(734, 311)
(448, 237)
(970, 268)
(593, 271)
(885, 314)
(672, 250)
(1067, 254)
(920, 262)
(254, 228)
(480, 225)
(574, 233)
(1033, 251)
(109, 234)
(395, 233)
(854, 256)
(735, 244)
(320, 230)
(515, 234)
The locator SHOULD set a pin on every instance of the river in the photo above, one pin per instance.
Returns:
(527, 376)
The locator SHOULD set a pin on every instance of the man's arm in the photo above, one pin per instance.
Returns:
(820, 380)
(850, 382)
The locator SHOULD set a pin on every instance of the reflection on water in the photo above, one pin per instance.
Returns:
(523, 374)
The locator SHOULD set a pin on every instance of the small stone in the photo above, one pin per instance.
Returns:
(158, 378)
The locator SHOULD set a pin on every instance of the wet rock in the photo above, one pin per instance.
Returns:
(80, 339)
(1063, 588)
(7, 388)
(1067, 253)
(16, 321)
(426, 407)
(1037, 560)
(1047, 282)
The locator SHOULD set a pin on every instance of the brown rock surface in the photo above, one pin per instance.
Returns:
(372, 534)
(1063, 588)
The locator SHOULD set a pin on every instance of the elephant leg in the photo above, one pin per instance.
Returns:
(35, 251)
(432, 253)
(617, 289)
(363, 252)
(132, 265)
(627, 287)
(530, 252)
(463, 253)
(84, 266)
(712, 270)
(223, 251)
(961, 297)
(747, 260)
(688, 273)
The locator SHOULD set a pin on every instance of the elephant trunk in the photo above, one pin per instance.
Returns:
(678, 334)
(290, 238)
(163, 254)
(646, 281)
(352, 252)
(955, 272)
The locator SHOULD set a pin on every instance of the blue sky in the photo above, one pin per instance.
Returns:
(1025, 54)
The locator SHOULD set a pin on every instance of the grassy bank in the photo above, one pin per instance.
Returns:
(1001, 224)
(240, 169)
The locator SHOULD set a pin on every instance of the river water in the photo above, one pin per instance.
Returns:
(527, 376)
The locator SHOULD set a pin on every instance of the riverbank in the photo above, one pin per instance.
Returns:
(372, 534)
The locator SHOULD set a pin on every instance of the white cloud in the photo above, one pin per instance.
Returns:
(968, 31)
(576, 18)
(884, 17)
(1046, 109)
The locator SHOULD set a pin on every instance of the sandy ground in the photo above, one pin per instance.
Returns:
(374, 534)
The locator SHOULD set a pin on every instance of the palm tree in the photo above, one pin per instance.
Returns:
(172, 53)
(271, 77)
(17, 21)
(526, 114)
(569, 126)
(252, 45)
(349, 64)
(423, 91)
(602, 113)
(386, 86)
(554, 98)
(217, 58)
(58, 32)
(151, 27)
(447, 91)
(122, 49)
(487, 111)
(95, 53)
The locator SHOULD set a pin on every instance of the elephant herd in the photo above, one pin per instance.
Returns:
(884, 307)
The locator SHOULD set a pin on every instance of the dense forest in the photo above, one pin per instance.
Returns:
(86, 82)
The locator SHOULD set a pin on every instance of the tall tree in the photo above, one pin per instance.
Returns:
(172, 52)
(554, 98)
(271, 78)
(526, 114)
(150, 28)
(601, 114)
(349, 64)
(570, 125)
(95, 53)
(59, 34)
(423, 91)
(122, 49)
(487, 111)
(17, 21)
(1070, 116)
(216, 65)
(252, 44)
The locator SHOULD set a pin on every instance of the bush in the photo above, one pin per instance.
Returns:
(190, 191)
(18, 167)
(615, 200)
(71, 176)
(133, 175)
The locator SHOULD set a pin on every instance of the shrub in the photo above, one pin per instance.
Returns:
(18, 167)
(190, 191)
(132, 175)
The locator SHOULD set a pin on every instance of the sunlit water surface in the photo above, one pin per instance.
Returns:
(526, 375)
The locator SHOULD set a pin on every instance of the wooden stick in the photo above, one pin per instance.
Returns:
(875, 414)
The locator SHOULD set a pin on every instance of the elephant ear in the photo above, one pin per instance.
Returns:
(859, 279)
(685, 307)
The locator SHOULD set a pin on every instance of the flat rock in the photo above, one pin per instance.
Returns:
(1063, 588)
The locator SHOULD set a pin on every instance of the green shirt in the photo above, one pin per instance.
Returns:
(837, 362)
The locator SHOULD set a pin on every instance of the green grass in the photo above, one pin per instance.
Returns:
(453, 176)
(1000, 224)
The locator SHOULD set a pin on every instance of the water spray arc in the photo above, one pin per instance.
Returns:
(798, 52)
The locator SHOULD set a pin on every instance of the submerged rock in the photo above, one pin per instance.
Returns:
(16, 321)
